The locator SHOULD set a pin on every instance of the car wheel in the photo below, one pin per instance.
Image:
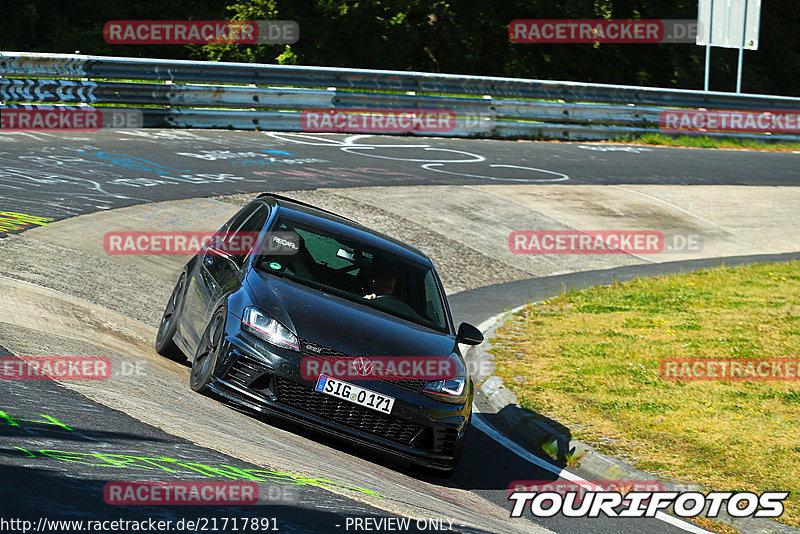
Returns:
(165, 346)
(207, 352)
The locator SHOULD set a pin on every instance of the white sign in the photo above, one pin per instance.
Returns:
(727, 20)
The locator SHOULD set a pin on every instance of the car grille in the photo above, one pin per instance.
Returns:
(314, 349)
(413, 385)
(345, 413)
(446, 440)
(326, 352)
(244, 371)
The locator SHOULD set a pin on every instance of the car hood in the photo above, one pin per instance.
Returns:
(343, 325)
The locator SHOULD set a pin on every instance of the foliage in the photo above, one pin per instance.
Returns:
(464, 37)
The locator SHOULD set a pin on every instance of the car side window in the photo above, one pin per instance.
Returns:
(246, 234)
(237, 220)
(256, 221)
(434, 311)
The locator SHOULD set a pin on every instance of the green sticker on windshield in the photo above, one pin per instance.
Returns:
(274, 265)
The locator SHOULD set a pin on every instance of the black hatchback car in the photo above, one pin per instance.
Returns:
(316, 287)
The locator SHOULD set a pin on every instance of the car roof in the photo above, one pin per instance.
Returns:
(353, 230)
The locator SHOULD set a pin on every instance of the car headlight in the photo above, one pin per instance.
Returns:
(450, 390)
(265, 327)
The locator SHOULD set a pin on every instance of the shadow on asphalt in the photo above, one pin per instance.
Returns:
(485, 465)
(46, 430)
(40, 493)
(488, 465)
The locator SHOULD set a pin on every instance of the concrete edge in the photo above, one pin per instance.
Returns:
(538, 430)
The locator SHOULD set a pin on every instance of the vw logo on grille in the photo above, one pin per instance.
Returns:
(362, 366)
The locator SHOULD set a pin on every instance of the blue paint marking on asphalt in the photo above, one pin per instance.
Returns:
(272, 151)
(133, 162)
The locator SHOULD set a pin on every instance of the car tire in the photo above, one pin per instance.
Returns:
(207, 352)
(165, 345)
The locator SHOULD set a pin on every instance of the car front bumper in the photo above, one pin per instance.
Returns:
(268, 380)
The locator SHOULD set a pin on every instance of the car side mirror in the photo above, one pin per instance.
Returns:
(468, 335)
(219, 248)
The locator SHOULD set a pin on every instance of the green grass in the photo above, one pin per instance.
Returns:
(591, 358)
(704, 141)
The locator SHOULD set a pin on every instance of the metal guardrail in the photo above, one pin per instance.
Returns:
(198, 94)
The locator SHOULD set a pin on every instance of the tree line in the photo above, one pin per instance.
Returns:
(448, 36)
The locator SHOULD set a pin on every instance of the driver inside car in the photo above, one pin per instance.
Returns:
(382, 282)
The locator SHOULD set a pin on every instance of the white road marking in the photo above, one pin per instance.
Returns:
(561, 177)
(508, 443)
(601, 147)
(474, 158)
(350, 146)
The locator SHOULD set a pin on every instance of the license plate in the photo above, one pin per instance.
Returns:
(355, 394)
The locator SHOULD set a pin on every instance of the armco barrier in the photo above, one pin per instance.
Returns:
(199, 94)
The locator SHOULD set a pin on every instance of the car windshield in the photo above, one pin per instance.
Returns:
(352, 270)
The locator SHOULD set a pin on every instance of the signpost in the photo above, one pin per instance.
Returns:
(729, 24)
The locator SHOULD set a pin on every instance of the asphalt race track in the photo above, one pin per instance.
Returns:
(61, 175)
(61, 442)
